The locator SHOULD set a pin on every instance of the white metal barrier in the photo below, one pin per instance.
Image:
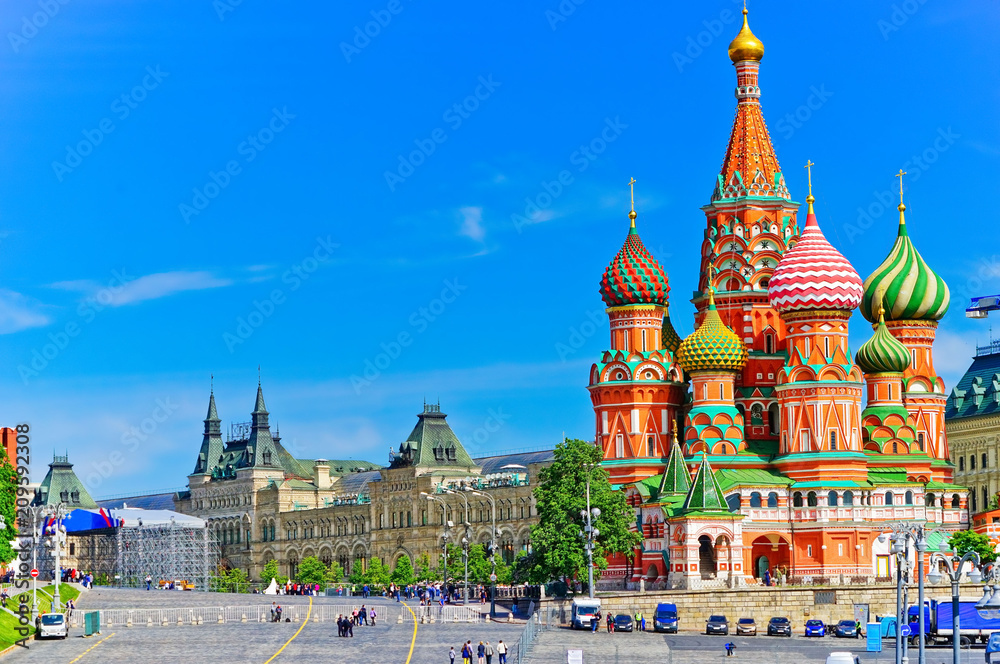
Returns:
(207, 615)
(446, 614)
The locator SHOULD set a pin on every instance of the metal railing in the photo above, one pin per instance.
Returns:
(206, 615)
(538, 623)
(446, 614)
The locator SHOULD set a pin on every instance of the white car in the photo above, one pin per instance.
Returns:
(843, 658)
(52, 625)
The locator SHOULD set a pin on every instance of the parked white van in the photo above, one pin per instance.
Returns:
(843, 658)
(583, 610)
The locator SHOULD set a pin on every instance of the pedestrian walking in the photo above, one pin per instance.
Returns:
(611, 622)
(451, 655)
(363, 615)
(767, 577)
(466, 654)
(489, 653)
(481, 653)
(149, 582)
(502, 651)
(373, 615)
(857, 629)
(273, 605)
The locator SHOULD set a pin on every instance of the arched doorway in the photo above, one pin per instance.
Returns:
(760, 566)
(706, 557)
(769, 551)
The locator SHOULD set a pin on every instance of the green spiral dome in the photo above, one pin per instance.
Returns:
(905, 283)
(882, 353)
(670, 339)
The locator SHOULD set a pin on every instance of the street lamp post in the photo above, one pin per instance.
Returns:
(57, 531)
(955, 576)
(465, 539)
(589, 534)
(444, 520)
(36, 512)
(493, 552)
(904, 532)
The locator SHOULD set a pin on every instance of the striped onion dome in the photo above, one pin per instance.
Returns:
(670, 339)
(634, 276)
(882, 353)
(713, 346)
(908, 287)
(814, 275)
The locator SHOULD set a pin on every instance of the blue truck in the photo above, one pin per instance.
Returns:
(939, 627)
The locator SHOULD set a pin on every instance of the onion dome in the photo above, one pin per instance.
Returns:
(669, 338)
(814, 275)
(713, 346)
(905, 283)
(746, 46)
(634, 276)
(882, 353)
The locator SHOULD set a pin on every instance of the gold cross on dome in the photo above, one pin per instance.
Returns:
(900, 175)
(631, 187)
(809, 172)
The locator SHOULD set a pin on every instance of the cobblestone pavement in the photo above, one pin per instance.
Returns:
(386, 643)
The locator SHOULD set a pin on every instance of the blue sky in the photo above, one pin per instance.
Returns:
(201, 187)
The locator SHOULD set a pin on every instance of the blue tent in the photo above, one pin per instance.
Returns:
(82, 520)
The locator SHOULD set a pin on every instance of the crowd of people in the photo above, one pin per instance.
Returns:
(482, 654)
(346, 624)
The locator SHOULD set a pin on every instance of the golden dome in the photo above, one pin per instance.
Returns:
(746, 46)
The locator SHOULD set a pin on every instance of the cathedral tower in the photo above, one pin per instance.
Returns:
(751, 220)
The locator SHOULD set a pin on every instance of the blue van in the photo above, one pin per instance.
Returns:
(665, 618)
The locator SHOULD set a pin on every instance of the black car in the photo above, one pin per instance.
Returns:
(779, 626)
(623, 623)
(717, 625)
(846, 629)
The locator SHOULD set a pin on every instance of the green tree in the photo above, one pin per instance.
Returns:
(229, 581)
(8, 508)
(425, 572)
(269, 572)
(454, 564)
(377, 574)
(968, 540)
(403, 574)
(560, 497)
(334, 573)
(311, 570)
(357, 576)
(524, 562)
(479, 564)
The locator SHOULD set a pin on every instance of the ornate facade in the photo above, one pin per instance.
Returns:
(764, 399)
(264, 504)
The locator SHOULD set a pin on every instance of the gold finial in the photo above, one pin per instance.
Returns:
(809, 173)
(711, 290)
(675, 433)
(902, 208)
(745, 46)
(631, 187)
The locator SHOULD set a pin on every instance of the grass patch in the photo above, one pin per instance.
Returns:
(9, 624)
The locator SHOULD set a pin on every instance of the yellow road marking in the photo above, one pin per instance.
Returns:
(413, 641)
(301, 627)
(92, 647)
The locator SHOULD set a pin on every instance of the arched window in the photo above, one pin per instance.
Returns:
(972, 462)
(986, 502)
(755, 499)
(769, 343)
(772, 501)
(908, 498)
(972, 500)
(797, 499)
(956, 501)
(811, 500)
(773, 419)
(961, 464)
(849, 500)
(733, 501)
(831, 499)
(984, 464)
(888, 497)
(929, 500)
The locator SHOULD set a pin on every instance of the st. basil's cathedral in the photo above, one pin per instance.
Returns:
(760, 442)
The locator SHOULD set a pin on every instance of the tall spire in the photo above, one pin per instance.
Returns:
(809, 198)
(259, 415)
(705, 494)
(632, 215)
(211, 443)
(676, 479)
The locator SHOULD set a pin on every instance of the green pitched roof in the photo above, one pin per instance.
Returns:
(432, 443)
(61, 485)
(705, 494)
(978, 392)
(211, 445)
(733, 477)
(676, 478)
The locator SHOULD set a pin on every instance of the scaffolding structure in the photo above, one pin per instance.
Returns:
(167, 550)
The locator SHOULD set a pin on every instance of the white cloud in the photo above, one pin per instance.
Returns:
(18, 312)
(141, 289)
(472, 223)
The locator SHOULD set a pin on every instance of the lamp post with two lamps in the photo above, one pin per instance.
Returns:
(465, 538)
(589, 533)
(902, 533)
(447, 527)
(493, 551)
(955, 576)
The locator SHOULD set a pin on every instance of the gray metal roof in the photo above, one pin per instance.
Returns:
(495, 464)
(154, 501)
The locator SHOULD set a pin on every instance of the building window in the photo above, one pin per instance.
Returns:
(849, 500)
(409, 519)
(772, 418)
(972, 462)
(961, 464)
(809, 552)
(755, 499)
(831, 499)
(625, 340)
(643, 340)
(619, 446)
(984, 466)
(956, 502)
(768, 344)
(811, 499)
(929, 500)
(888, 497)
(804, 441)
(826, 346)
(908, 498)
(895, 447)
(796, 500)
(920, 444)
(772, 501)
(722, 396)
(833, 439)
(972, 500)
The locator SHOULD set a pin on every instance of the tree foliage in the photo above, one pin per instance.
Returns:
(560, 496)
(270, 571)
(334, 573)
(403, 574)
(425, 572)
(377, 575)
(8, 509)
(311, 571)
(968, 540)
(229, 581)
(455, 563)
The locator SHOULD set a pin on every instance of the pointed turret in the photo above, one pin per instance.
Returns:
(261, 449)
(211, 443)
(705, 494)
(676, 479)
